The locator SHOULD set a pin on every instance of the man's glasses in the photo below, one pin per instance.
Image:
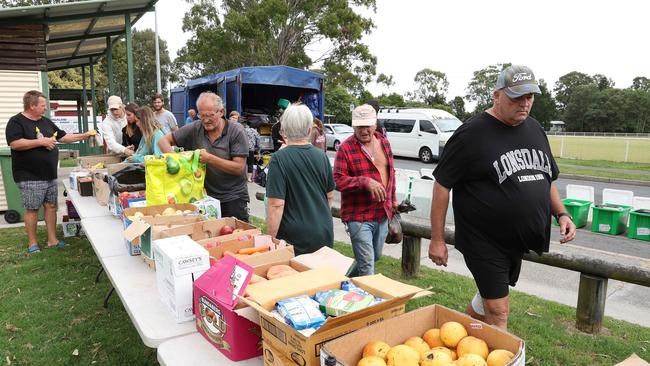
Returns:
(207, 115)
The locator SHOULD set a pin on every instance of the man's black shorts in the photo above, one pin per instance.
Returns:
(493, 276)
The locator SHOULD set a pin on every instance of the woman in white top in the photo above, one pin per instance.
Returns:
(112, 127)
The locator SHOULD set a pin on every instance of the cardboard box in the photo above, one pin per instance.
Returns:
(212, 228)
(324, 257)
(148, 229)
(180, 261)
(133, 246)
(87, 162)
(633, 360)
(85, 186)
(305, 349)
(112, 204)
(132, 199)
(280, 251)
(216, 310)
(273, 357)
(209, 207)
(348, 349)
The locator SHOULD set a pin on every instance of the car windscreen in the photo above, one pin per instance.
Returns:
(448, 125)
(343, 129)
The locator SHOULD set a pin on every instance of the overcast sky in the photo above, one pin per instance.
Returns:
(461, 36)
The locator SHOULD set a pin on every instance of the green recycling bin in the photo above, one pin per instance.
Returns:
(15, 211)
(578, 209)
(610, 219)
(639, 225)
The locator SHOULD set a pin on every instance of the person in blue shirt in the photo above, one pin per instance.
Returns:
(151, 130)
(191, 116)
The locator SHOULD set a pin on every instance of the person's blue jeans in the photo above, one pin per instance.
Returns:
(367, 243)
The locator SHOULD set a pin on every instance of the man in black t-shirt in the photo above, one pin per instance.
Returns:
(34, 159)
(501, 169)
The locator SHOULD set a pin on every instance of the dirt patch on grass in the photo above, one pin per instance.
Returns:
(570, 326)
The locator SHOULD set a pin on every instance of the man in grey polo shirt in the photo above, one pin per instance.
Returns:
(224, 149)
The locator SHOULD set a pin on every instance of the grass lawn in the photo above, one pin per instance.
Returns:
(51, 313)
(601, 148)
(597, 168)
(605, 164)
(68, 162)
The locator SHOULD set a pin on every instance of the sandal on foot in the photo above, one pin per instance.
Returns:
(60, 244)
(33, 249)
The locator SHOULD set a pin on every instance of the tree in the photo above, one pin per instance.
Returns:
(337, 102)
(575, 113)
(391, 100)
(386, 80)
(144, 67)
(458, 108)
(364, 96)
(603, 82)
(544, 109)
(566, 85)
(641, 83)
(481, 86)
(431, 86)
(272, 32)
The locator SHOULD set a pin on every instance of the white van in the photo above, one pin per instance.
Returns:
(418, 132)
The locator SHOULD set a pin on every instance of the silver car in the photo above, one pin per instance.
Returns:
(336, 133)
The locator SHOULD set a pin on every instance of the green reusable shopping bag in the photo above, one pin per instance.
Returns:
(174, 178)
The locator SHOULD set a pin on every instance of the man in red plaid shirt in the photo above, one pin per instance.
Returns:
(364, 173)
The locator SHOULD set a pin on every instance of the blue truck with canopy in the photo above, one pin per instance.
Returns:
(254, 92)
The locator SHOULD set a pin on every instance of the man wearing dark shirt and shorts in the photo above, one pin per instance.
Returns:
(224, 149)
(34, 159)
(501, 169)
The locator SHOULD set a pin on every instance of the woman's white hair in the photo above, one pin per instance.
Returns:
(216, 100)
(296, 121)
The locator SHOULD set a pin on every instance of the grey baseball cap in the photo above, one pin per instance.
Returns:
(517, 80)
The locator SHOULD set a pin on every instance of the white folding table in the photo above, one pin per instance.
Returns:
(135, 284)
(194, 350)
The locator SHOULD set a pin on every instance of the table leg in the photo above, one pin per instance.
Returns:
(108, 296)
(101, 269)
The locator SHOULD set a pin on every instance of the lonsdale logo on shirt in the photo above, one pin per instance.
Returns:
(520, 159)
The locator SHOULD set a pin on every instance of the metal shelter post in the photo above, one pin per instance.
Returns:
(93, 97)
(109, 65)
(129, 56)
(158, 84)
(92, 94)
(45, 87)
(84, 108)
(79, 147)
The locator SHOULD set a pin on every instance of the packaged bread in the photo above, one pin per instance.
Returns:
(280, 270)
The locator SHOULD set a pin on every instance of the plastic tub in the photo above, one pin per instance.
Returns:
(610, 219)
